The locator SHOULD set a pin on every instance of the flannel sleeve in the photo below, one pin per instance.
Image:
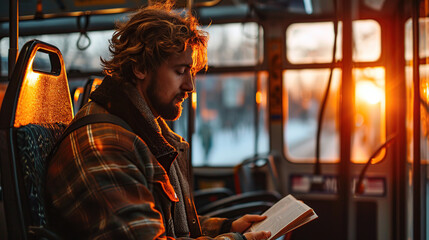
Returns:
(101, 192)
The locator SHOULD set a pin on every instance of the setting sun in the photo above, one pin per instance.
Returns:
(367, 91)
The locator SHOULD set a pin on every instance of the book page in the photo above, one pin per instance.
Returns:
(284, 216)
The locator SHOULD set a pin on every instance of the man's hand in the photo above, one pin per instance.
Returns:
(262, 235)
(242, 224)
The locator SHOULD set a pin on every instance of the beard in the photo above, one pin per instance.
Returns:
(169, 111)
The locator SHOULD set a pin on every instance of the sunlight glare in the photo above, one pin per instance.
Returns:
(32, 78)
(368, 92)
(77, 94)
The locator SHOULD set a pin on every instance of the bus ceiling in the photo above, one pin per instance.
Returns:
(47, 9)
(31, 17)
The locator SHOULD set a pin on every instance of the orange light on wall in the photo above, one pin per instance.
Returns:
(194, 100)
(258, 97)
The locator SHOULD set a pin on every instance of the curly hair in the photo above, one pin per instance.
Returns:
(150, 37)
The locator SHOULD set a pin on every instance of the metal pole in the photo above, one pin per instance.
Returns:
(13, 35)
(418, 203)
(346, 119)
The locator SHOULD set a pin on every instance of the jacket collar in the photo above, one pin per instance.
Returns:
(123, 100)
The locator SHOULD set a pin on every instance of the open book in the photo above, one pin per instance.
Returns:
(284, 216)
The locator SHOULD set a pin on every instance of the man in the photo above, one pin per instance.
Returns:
(105, 182)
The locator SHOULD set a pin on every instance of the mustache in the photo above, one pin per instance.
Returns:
(182, 95)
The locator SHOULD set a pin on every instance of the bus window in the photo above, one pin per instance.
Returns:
(370, 114)
(310, 42)
(87, 60)
(304, 88)
(424, 87)
(424, 112)
(234, 44)
(313, 42)
(225, 131)
(423, 129)
(304, 94)
(424, 41)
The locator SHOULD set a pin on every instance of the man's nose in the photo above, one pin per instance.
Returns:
(188, 84)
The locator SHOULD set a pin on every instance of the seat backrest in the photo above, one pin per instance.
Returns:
(35, 111)
(90, 86)
(3, 87)
(256, 173)
(81, 94)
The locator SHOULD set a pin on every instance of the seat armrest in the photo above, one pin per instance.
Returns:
(265, 196)
(42, 233)
(239, 210)
(207, 196)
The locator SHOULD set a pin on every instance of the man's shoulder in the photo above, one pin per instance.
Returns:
(109, 136)
(87, 132)
(90, 108)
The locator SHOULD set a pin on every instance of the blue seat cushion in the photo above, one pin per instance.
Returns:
(34, 144)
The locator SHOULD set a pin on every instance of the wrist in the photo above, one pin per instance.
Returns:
(244, 237)
(226, 226)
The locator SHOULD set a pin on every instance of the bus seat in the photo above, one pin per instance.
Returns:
(35, 111)
(203, 197)
(256, 173)
(76, 95)
(3, 87)
(90, 86)
(244, 198)
(81, 94)
(251, 189)
(236, 211)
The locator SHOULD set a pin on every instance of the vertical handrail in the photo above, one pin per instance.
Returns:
(418, 203)
(257, 85)
(346, 117)
(13, 35)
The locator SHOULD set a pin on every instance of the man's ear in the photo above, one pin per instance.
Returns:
(138, 73)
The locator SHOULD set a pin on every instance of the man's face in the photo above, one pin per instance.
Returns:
(167, 88)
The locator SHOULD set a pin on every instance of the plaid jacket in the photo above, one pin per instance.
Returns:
(105, 182)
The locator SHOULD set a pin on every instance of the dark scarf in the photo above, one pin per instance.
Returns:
(111, 96)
